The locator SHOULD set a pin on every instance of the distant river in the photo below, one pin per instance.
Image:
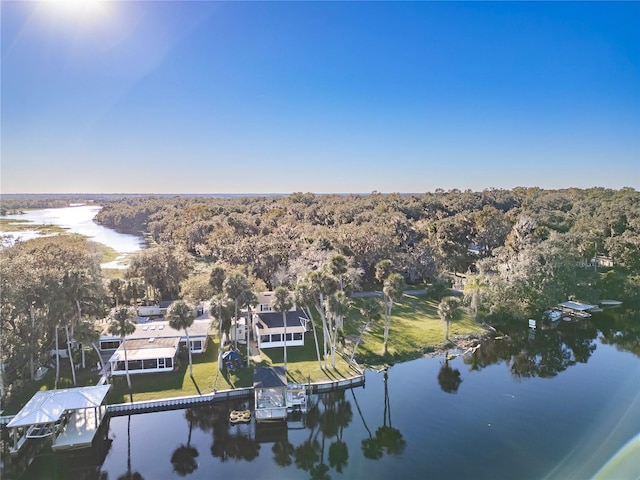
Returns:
(79, 220)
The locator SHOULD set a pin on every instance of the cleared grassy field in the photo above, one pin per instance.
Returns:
(415, 330)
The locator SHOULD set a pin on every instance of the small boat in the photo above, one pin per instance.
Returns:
(552, 315)
(297, 397)
(610, 303)
(42, 431)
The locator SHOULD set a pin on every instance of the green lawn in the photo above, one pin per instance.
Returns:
(415, 329)
(302, 362)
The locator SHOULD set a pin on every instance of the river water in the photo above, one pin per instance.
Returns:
(555, 403)
(78, 219)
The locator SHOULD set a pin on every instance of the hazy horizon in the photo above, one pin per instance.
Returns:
(329, 97)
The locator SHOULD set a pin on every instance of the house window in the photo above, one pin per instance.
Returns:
(297, 336)
(169, 362)
(196, 345)
(276, 337)
(150, 363)
(135, 364)
(161, 363)
(109, 344)
(265, 338)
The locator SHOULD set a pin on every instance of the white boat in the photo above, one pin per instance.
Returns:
(553, 315)
(610, 303)
(297, 397)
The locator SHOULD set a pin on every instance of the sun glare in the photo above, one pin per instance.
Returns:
(82, 9)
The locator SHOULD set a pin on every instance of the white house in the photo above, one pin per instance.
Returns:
(269, 328)
(154, 346)
(198, 335)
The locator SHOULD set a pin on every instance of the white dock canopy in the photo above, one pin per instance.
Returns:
(577, 306)
(49, 405)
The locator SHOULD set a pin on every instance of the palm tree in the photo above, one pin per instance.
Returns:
(473, 292)
(371, 310)
(447, 309)
(121, 326)
(303, 296)
(234, 285)
(339, 265)
(392, 290)
(181, 316)
(247, 300)
(282, 303)
(221, 305)
(86, 333)
(336, 304)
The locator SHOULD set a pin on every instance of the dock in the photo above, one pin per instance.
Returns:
(80, 429)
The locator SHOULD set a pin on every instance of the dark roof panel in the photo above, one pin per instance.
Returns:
(274, 319)
(268, 377)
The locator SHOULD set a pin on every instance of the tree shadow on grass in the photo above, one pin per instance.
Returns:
(195, 384)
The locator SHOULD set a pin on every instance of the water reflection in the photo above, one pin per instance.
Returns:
(541, 353)
(449, 378)
(386, 430)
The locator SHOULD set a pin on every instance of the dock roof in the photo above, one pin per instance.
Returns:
(49, 405)
(269, 377)
(577, 306)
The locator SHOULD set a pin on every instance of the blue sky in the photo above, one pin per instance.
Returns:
(269, 97)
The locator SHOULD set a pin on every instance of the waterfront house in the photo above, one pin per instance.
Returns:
(269, 328)
(145, 330)
(154, 346)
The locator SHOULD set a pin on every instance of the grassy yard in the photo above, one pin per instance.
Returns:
(302, 363)
(415, 329)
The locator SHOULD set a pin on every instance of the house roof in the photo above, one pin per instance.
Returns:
(295, 318)
(143, 349)
(49, 405)
(268, 377)
(162, 329)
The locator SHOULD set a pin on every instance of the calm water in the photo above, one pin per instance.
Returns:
(557, 404)
(78, 220)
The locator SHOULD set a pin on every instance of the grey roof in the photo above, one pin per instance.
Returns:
(274, 319)
(268, 377)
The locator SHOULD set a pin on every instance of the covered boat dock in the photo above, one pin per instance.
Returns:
(72, 416)
(577, 309)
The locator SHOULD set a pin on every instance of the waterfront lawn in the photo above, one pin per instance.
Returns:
(154, 386)
(302, 362)
(415, 329)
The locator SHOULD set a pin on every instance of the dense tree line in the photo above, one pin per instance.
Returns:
(518, 252)
(520, 239)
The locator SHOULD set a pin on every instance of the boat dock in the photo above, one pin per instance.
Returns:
(80, 429)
